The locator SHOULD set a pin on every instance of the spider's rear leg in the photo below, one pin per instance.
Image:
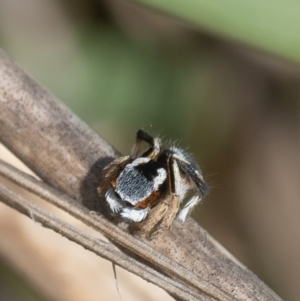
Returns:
(156, 217)
(173, 207)
(175, 192)
(164, 213)
(108, 177)
(110, 173)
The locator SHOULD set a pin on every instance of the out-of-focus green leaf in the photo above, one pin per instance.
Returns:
(270, 25)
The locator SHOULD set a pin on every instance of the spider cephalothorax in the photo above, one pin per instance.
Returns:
(150, 186)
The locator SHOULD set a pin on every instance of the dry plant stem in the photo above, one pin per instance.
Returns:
(69, 205)
(110, 230)
(95, 245)
(68, 155)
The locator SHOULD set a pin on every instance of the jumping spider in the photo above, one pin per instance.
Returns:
(151, 184)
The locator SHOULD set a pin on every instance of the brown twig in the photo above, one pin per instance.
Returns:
(111, 231)
(95, 245)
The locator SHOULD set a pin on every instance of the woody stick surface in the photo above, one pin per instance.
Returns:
(95, 245)
(67, 154)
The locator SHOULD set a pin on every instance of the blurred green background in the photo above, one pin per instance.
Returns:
(220, 78)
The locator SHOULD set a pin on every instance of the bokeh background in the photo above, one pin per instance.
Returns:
(222, 79)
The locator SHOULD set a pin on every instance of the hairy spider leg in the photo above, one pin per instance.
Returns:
(183, 213)
(154, 143)
(135, 215)
(194, 174)
(197, 179)
(109, 175)
(165, 211)
(177, 190)
(113, 201)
